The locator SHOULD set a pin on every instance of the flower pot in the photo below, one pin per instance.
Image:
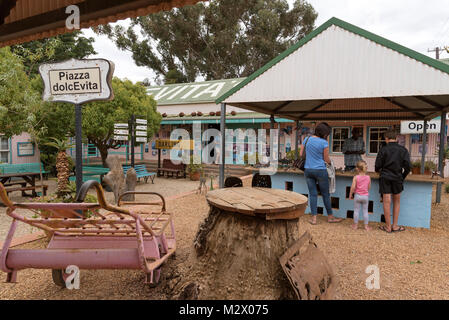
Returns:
(416, 170)
(195, 176)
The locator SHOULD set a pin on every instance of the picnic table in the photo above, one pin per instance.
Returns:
(244, 235)
(28, 183)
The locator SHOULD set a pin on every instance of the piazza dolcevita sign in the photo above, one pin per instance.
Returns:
(77, 81)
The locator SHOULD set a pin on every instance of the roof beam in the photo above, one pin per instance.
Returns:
(282, 106)
(354, 111)
(400, 105)
(430, 102)
(317, 107)
(360, 118)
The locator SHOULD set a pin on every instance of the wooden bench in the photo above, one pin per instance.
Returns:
(170, 169)
(23, 189)
(141, 171)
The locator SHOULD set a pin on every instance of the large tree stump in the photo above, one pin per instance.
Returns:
(242, 239)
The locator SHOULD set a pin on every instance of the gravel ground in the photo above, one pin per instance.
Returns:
(413, 264)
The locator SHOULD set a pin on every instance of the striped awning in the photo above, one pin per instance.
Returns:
(27, 20)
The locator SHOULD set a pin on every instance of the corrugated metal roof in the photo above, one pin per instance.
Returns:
(341, 62)
(28, 20)
(188, 93)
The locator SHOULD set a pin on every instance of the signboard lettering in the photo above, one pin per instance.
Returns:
(139, 139)
(77, 81)
(121, 138)
(141, 121)
(121, 132)
(417, 127)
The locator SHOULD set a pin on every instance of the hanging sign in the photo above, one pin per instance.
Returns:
(141, 121)
(140, 139)
(77, 81)
(121, 132)
(417, 127)
(121, 138)
(141, 133)
(121, 126)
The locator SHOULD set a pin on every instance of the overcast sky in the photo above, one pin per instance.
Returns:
(417, 24)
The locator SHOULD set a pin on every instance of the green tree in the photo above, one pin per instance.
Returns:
(18, 99)
(55, 49)
(99, 117)
(218, 39)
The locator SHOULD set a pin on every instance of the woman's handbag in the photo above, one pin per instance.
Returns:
(301, 162)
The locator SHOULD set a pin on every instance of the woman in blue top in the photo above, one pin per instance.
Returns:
(317, 155)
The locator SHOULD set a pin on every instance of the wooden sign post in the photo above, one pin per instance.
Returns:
(77, 82)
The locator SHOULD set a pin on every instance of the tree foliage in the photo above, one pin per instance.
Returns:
(99, 117)
(18, 99)
(215, 40)
(55, 49)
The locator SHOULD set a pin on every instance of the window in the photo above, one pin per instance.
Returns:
(4, 150)
(376, 139)
(339, 135)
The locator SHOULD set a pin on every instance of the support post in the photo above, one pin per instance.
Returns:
(79, 146)
(223, 145)
(279, 142)
(424, 145)
(441, 154)
(133, 146)
(298, 127)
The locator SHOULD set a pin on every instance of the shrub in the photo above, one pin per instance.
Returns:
(429, 165)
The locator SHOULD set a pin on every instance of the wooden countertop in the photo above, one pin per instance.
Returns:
(373, 175)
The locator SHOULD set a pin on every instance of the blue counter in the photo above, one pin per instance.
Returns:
(416, 200)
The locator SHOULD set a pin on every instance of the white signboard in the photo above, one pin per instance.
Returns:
(121, 132)
(77, 81)
(417, 127)
(121, 138)
(141, 121)
(143, 128)
(121, 126)
(139, 139)
(141, 133)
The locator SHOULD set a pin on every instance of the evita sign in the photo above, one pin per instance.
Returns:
(77, 81)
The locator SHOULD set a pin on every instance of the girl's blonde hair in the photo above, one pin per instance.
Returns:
(362, 166)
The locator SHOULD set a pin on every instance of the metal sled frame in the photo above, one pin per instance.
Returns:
(92, 236)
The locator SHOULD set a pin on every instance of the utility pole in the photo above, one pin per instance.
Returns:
(437, 51)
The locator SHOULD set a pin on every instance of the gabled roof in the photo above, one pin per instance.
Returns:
(189, 93)
(339, 61)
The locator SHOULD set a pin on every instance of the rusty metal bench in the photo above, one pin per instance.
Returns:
(92, 236)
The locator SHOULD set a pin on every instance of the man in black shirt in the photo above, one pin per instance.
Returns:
(393, 164)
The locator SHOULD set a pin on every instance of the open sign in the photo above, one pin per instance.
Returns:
(417, 127)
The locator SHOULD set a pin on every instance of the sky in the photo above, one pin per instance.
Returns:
(416, 24)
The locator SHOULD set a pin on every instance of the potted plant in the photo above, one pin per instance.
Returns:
(416, 167)
(429, 166)
(195, 170)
